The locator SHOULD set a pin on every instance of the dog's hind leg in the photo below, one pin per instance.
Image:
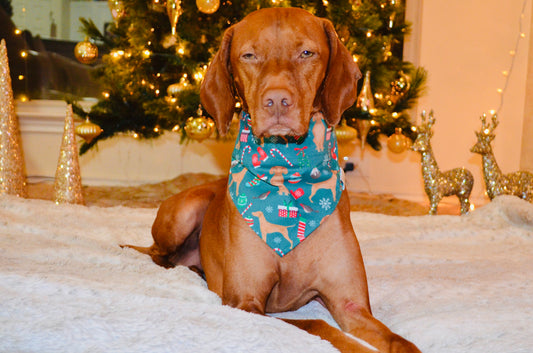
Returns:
(177, 226)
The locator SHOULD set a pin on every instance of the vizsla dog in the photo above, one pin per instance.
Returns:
(286, 66)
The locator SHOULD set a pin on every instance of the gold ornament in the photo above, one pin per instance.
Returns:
(12, 168)
(518, 183)
(365, 100)
(117, 8)
(208, 6)
(86, 52)
(67, 184)
(400, 86)
(437, 184)
(363, 127)
(345, 133)
(158, 5)
(175, 88)
(397, 142)
(199, 128)
(88, 130)
(174, 12)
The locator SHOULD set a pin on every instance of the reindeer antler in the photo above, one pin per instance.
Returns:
(427, 122)
(488, 128)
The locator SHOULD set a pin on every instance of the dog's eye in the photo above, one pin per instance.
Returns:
(249, 56)
(306, 54)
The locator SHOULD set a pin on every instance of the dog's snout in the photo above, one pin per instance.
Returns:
(277, 101)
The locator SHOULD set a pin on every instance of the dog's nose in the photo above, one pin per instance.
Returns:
(277, 101)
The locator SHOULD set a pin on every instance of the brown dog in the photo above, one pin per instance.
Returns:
(278, 180)
(285, 64)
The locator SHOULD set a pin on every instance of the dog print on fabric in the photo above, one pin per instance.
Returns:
(284, 187)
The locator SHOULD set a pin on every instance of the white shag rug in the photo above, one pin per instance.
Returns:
(447, 283)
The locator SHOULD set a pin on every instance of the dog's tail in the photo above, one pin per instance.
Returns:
(143, 250)
(154, 252)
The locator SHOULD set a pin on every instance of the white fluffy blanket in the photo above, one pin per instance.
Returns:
(448, 283)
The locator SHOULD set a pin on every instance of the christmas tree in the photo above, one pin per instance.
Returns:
(153, 70)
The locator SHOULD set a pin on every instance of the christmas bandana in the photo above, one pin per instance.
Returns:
(285, 186)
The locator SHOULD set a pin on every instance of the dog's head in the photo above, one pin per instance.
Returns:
(284, 64)
(278, 170)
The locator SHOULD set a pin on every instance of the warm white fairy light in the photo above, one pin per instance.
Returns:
(512, 53)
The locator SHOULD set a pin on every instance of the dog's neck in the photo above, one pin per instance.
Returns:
(284, 187)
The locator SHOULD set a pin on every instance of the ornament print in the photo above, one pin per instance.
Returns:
(284, 190)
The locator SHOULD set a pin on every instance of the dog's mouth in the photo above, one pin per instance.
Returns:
(277, 130)
(283, 126)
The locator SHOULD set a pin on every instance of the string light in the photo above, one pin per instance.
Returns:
(512, 53)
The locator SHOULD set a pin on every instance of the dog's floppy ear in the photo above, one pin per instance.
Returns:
(216, 92)
(339, 89)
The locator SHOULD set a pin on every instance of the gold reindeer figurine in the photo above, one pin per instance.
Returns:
(518, 183)
(437, 184)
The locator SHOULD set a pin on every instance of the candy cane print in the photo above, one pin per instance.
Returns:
(244, 150)
(246, 209)
(279, 251)
(281, 155)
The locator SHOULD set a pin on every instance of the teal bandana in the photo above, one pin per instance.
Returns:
(284, 187)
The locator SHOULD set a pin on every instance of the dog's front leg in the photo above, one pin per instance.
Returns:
(249, 276)
(357, 320)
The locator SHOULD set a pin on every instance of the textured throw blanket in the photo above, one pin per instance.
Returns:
(448, 283)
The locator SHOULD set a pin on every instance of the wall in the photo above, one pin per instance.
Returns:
(464, 45)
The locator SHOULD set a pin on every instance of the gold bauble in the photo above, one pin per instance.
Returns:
(345, 133)
(401, 85)
(158, 5)
(117, 8)
(88, 131)
(398, 142)
(175, 88)
(208, 6)
(86, 52)
(173, 11)
(199, 128)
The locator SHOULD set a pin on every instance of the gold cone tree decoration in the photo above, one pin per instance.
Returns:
(67, 185)
(12, 168)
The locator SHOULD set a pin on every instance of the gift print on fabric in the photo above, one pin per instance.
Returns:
(284, 187)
